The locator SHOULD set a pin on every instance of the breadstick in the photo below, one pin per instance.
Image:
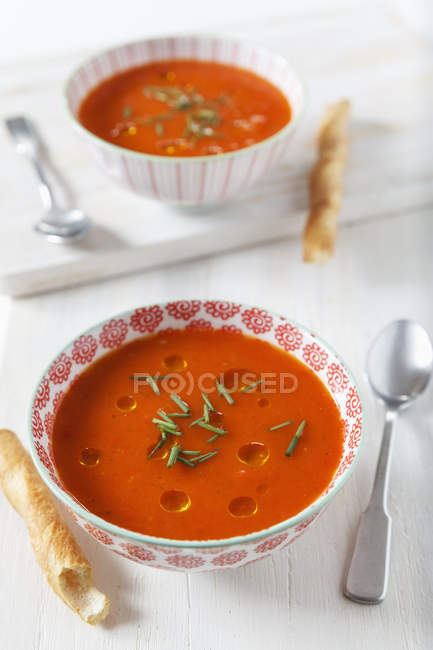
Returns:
(325, 185)
(64, 564)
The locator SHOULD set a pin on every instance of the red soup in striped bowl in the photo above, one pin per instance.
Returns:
(186, 120)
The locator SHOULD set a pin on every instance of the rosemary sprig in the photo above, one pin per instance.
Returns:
(180, 403)
(188, 452)
(206, 413)
(165, 416)
(201, 459)
(208, 402)
(155, 449)
(251, 386)
(295, 438)
(152, 383)
(196, 421)
(165, 424)
(224, 393)
(185, 461)
(210, 427)
(174, 453)
(173, 432)
(179, 415)
(215, 437)
(279, 426)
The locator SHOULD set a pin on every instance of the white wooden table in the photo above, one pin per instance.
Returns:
(382, 270)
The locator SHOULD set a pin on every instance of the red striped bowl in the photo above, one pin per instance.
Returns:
(200, 179)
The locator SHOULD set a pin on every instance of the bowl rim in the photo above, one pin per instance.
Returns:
(284, 131)
(118, 531)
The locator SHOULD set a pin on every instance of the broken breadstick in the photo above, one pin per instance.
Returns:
(64, 564)
(325, 185)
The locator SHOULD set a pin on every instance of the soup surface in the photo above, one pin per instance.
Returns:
(185, 108)
(240, 473)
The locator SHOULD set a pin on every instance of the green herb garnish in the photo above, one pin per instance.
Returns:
(208, 402)
(250, 386)
(279, 426)
(188, 452)
(215, 437)
(201, 459)
(179, 415)
(181, 404)
(159, 129)
(165, 424)
(165, 416)
(196, 421)
(210, 427)
(157, 446)
(206, 413)
(127, 112)
(174, 453)
(185, 461)
(224, 393)
(152, 383)
(295, 438)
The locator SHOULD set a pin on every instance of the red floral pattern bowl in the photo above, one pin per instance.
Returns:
(184, 555)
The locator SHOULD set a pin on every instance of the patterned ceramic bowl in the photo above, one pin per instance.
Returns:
(199, 179)
(180, 554)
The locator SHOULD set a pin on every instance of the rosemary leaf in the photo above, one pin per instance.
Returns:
(152, 383)
(180, 403)
(165, 424)
(185, 461)
(179, 415)
(127, 112)
(196, 421)
(201, 459)
(157, 446)
(295, 438)
(210, 427)
(224, 393)
(251, 386)
(165, 416)
(208, 402)
(174, 453)
(279, 426)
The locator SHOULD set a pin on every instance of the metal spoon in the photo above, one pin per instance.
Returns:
(58, 224)
(399, 366)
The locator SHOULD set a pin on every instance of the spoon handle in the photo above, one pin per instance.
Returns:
(27, 144)
(367, 577)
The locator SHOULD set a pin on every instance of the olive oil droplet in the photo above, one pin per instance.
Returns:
(175, 501)
(89, 457)
(254, 454)
(126, 403)
(242, 507)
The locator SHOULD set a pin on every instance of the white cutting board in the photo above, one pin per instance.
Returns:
(389, 168)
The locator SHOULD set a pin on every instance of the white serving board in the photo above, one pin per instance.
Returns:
(387, 173)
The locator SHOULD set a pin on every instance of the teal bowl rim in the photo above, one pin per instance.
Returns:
(118, 531)
(285, 130)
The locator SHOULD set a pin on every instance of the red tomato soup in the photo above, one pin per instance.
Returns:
(185, 108)
(181, 456)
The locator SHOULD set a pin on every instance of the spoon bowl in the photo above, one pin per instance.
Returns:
(63, 226)
(400, 363)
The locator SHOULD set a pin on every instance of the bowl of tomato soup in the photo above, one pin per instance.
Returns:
(186, 120)
(196, 435)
